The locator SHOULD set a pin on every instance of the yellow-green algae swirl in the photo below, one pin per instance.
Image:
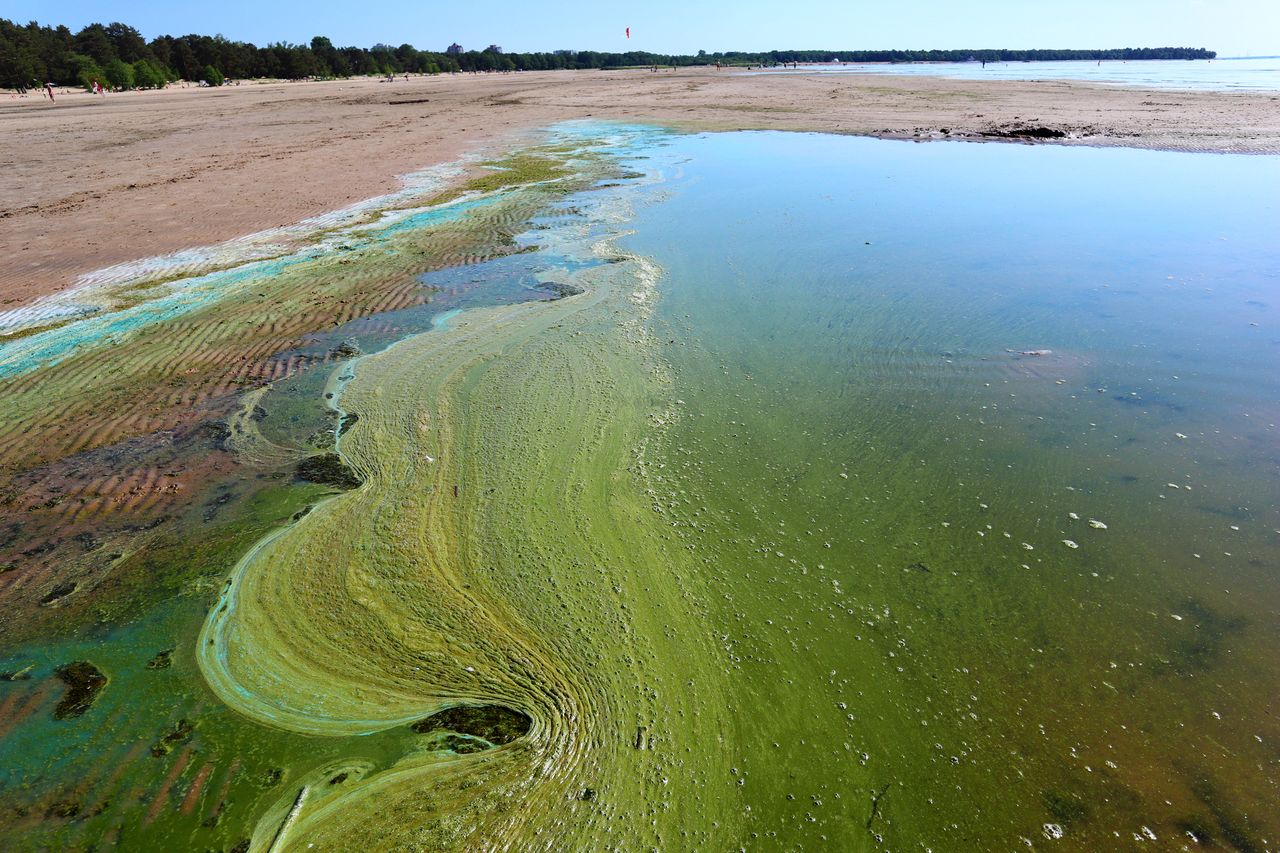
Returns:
(502, 550)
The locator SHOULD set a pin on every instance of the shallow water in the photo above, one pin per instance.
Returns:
(872, 496)
(1227, 74)
(905, 514)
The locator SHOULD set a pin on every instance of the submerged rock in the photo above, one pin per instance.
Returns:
(84, 682)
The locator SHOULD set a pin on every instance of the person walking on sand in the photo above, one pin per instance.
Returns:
(48, 87)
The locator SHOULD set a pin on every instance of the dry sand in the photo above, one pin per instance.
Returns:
(88, 182)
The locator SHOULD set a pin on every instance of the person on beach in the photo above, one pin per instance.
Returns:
(48, 87)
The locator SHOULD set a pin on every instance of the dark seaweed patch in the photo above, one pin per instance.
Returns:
(328, 469)
(559, 290)
(339, 779)
(348, 421)
(496, 724)
(1202, 648)
(1234, 825)
(212, 507)
(216, 432)
(1024, 132)
(346, 349)
(62, 590)
(143, 528)
(1066, 806)
(463, 745)
(162, 660)
(1199, 827)
(180, 733)
(84, 681)
(63, 809)
(40, 550)
(11, 534)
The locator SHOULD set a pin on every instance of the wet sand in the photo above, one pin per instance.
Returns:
(91, 182)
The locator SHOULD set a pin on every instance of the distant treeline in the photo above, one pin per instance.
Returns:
(117, 56)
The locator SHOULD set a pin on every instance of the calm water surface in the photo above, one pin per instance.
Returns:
(974, 597)
(1258, 74)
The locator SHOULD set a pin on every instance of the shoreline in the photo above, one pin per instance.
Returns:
(99, 183)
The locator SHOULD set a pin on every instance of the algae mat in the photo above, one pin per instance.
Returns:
(498, 554)
(492, 630)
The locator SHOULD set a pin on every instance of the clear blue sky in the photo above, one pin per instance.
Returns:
(1232, 27)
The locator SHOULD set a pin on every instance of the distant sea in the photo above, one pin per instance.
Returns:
(1249, 74)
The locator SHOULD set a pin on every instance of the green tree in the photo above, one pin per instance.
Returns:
(127, 42)
(329, 62)
(119, 75)
(147, 76)
(212, 76)
(94, 42)
(87, 71)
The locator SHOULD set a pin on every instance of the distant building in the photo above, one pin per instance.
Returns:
(454, 49)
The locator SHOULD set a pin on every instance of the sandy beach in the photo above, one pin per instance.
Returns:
(91, 182)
